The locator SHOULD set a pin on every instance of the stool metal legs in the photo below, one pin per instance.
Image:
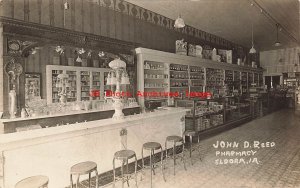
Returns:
(151, 165)
(123, 176)
(77, 179)
(191, 147)
(174, 155)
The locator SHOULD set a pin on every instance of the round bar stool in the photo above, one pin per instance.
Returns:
(152, 146)
(124, 156)
(175, 139)
(190, 134)
(81, 169)
(33, 182)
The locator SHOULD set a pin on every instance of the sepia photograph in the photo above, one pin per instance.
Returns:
(150, 93)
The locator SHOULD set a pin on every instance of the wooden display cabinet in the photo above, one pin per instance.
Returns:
(81, 82)
(186, 73)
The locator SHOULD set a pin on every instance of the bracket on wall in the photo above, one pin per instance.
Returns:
(20, 48)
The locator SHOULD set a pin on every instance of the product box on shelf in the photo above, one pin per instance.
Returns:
(199, 50)
(222, 54)
(191, 50)
(181, 47)
(229, 56)
(207, 54)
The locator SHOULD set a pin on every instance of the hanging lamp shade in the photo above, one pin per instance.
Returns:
(179, 22)
(117, 63)
(125, 79)
(113, 80)
(277, 43)
(252, 49)
(108, 81)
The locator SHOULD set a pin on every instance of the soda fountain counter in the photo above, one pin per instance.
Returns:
(59, 119)
(52, 151)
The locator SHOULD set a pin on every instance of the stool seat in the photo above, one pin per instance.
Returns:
(174, 138)
(190, 133)
(152, 145)
(33, 182)
(124, 154)
(83, 168)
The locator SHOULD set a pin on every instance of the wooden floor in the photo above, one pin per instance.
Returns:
(268, 167)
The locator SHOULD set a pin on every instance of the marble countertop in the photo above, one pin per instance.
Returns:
(60, 114)
(19, 139)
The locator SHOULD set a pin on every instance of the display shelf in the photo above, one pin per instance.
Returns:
(244, 82)
(198, 75)
(81, 81)
(229, 81)
(256, 79)
(197, 79)
(214, 80)
(179, 75)
(250, 78)
(72, 89)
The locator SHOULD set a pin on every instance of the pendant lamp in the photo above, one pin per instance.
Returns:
(277, 43)
(179, 22)
(252, 50)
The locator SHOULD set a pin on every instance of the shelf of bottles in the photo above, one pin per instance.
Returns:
(96, 84)
(244, 82)
(72, 89)
(214, 80)
(229, 80)
(106, 87)
(236, 80)
(260, 79)
(155, 77)
(55, 90)
(179, 78)
(256, 79)
(85, 85)
(250, 78)
(197, 78)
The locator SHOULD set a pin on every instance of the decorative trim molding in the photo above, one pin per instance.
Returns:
(49, 34)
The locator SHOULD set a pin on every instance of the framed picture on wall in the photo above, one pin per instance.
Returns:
(32, 86)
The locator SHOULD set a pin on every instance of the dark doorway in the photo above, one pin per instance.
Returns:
(276, 81)
(268, 81)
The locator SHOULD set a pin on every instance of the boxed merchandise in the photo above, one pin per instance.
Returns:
(222, 54)
(207, 54)
(199, 50)
(229, 56)
(206, 123)
(192, 50)
(181, 47)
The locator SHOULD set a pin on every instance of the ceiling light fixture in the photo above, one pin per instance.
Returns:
(252, 50)
(277, 43)
(179, 22)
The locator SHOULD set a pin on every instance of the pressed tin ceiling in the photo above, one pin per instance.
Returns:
(231, 19)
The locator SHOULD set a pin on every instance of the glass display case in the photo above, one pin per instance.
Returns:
(83, 83)
(208, 114)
